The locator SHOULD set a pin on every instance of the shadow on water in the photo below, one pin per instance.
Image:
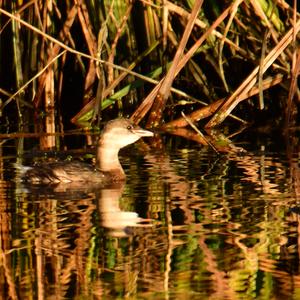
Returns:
(187, 223)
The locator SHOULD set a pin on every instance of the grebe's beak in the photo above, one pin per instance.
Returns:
(142, 132)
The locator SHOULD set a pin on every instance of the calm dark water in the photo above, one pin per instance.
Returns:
(188, 224)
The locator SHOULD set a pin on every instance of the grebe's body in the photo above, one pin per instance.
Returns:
(117, 134)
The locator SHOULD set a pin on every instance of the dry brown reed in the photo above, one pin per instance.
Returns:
(120, 46)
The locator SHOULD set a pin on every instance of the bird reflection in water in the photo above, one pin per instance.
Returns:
(105, 199)
(112, 217)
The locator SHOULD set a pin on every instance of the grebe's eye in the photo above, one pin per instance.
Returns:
(129, 127)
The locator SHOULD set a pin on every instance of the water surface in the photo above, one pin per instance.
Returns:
(187, 224)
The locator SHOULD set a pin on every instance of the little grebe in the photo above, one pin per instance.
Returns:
(117, 134)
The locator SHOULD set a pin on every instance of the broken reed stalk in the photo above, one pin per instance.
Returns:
(144, 107)
(210, 109)
(249, 82)
(190, 122)
(164, 90)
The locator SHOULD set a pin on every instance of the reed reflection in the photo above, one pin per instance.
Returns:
(221, 226)
(70, 236)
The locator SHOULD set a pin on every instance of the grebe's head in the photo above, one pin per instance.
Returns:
(122, 132)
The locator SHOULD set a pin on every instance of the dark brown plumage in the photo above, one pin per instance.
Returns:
(117, 134)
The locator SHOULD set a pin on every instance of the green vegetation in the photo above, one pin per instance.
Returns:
(78, 60)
